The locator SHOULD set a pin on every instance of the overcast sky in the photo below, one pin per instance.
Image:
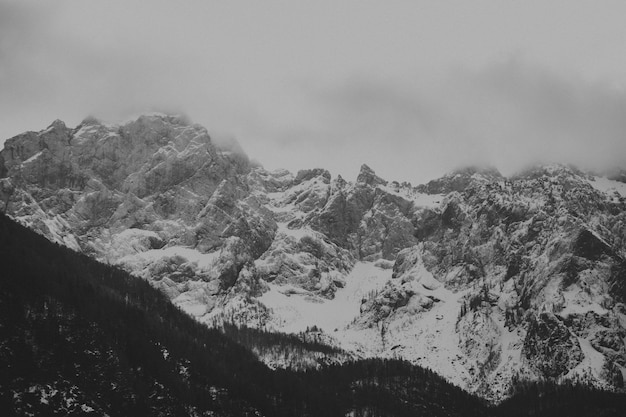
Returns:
(412, 88)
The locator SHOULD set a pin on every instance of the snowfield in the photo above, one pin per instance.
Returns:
(295, 309)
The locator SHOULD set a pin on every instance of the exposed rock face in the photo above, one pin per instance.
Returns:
(368, 217)
(153, 182)
(550, 347)
(460, 180)
(369, 177)
(528, 279)
(479, 277)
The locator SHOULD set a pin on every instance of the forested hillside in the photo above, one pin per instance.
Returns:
(79, 336)
(82, 338)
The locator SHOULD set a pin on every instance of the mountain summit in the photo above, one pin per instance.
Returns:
(487, 280)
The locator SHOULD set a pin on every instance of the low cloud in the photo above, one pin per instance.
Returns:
(509, 115)
(524, 114)
(65, 60)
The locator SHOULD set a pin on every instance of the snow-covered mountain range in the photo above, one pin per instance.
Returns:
(483, 278)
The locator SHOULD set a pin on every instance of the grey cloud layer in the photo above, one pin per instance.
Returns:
(292, 110)
(509, 115)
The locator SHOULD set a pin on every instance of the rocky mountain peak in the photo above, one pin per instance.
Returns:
(161, 118)
(308, 174)
(58, 124)
(89, 120)
(553, 170)
(369, 177)
(459, 179)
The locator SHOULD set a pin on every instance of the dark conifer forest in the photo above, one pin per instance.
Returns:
(78, 337)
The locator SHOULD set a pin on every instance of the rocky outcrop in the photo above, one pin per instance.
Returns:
(368, 176)
(368, 218)
(550, 347)
(461, 179)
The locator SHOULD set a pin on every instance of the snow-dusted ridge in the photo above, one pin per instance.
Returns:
(470, 274)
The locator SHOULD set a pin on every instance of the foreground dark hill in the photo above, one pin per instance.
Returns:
(79, 337)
